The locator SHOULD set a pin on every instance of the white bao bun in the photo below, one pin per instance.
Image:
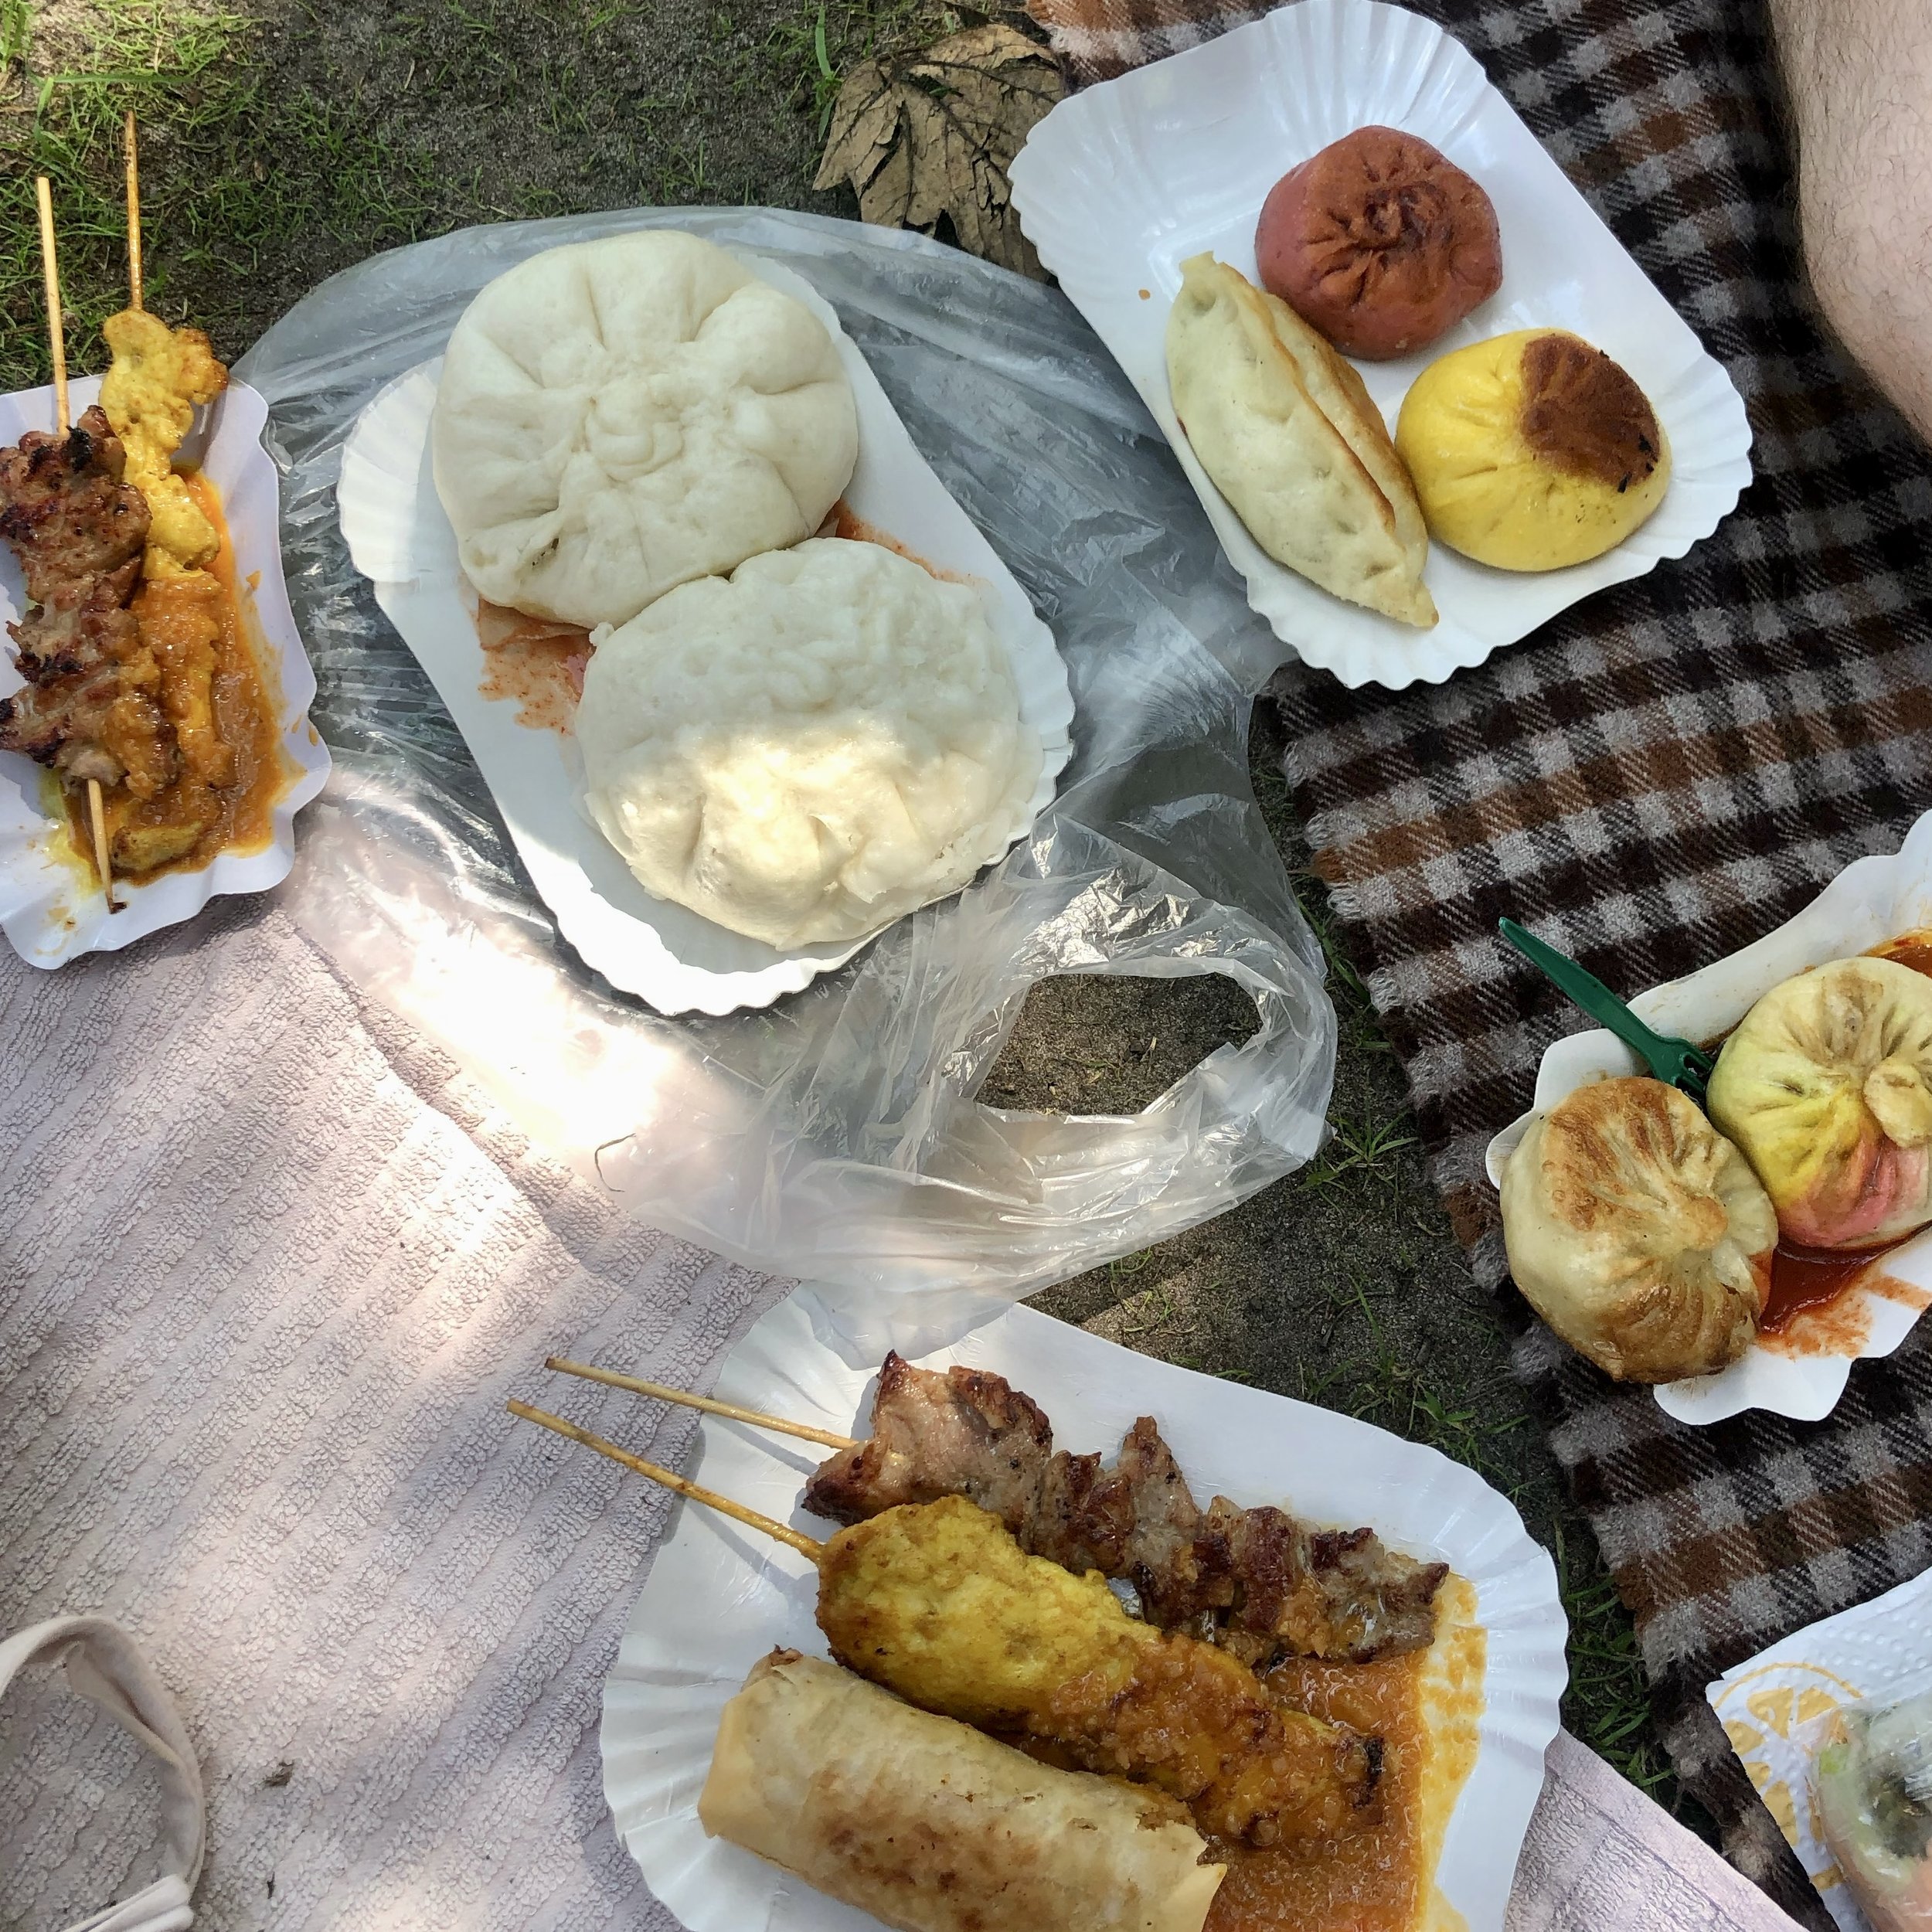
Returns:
(824, 741)
(619, 416)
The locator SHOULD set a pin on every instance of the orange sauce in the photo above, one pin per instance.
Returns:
(1806, 1280)
(535, 663)
(238, 813)
(1426, 1709)
(1911, 949)
(1837, 1322)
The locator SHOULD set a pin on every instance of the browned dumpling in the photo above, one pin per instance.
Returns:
(1638, 1232)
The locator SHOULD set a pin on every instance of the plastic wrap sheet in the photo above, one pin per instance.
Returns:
(836, 1136)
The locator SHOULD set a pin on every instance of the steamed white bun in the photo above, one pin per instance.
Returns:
(804, 751)
(619, 416)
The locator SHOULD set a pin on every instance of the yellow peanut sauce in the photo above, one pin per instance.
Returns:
(1425, 1708)
(204, 816)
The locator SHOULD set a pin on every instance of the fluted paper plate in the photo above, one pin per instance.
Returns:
(1872, 901)
(1121, 182)
(50, 908)
(718, 1596)
(679, 961)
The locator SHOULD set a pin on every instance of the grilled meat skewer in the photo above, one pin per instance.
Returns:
(1258, 1582)
(89, 709)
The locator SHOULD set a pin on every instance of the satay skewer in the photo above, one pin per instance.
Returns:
(737, 1512)
(662, 1392)
(57, 339)
(1200, 1726)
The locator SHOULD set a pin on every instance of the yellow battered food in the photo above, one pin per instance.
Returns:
(158, 377)
(937, 1602)
(1531, 451)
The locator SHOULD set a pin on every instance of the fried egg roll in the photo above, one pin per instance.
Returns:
(931, 1826)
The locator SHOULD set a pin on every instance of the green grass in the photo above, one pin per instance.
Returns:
(282, 142)
(231, 179)
(822, 43)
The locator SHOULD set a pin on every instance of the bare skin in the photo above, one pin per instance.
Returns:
(1860, 75)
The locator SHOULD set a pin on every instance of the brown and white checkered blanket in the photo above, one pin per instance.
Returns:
(1657, 778)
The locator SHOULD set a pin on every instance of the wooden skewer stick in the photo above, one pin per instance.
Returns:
(784, 1532)
(57, 340)
(57, 327)
(683, 1398)
(133, 214)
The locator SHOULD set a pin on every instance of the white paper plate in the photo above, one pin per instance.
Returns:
(1872, 901)
(50, 908)
(719, 1597)
(400, 538)
(1121, 182)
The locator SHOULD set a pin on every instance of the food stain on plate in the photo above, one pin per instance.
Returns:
(535, 663)
(1819, 1303)
(843, 521)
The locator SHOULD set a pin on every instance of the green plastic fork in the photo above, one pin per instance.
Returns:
(1676, 1062)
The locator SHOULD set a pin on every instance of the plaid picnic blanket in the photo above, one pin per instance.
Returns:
(1655, 779)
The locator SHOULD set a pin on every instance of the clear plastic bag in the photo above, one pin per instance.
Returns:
(835, 1136)
(1871, 1789)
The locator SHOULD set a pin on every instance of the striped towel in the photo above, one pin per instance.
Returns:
(1653, 780)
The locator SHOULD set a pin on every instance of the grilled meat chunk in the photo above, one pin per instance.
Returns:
(64, 508)
(1258, 1582)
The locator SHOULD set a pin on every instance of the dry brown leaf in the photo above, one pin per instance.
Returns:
(921, 136)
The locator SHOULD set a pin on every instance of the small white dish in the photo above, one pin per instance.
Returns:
(400, 538)
(718, 1596)
(50, 908)
(1872, 901)
(1120, 183)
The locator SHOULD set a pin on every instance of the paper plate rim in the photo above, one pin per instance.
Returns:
(1888, 890)
(1105, 220)
(661, 1698)
(418, 586)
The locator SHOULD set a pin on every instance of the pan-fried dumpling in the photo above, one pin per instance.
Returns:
(619, 416)
(1638, 1232)
(1294, 442)
(1826, 1084)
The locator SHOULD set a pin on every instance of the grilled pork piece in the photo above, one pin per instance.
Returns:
(1258, 1582)
(65, 509)
(79, 531)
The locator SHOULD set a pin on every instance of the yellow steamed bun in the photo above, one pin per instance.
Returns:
(1532, 451)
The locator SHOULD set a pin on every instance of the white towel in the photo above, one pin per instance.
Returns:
(266, 1277)
(265, 1282)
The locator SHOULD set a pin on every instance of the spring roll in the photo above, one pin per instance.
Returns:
(931, 1826)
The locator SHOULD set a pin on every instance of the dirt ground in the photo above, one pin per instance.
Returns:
(284, 139)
